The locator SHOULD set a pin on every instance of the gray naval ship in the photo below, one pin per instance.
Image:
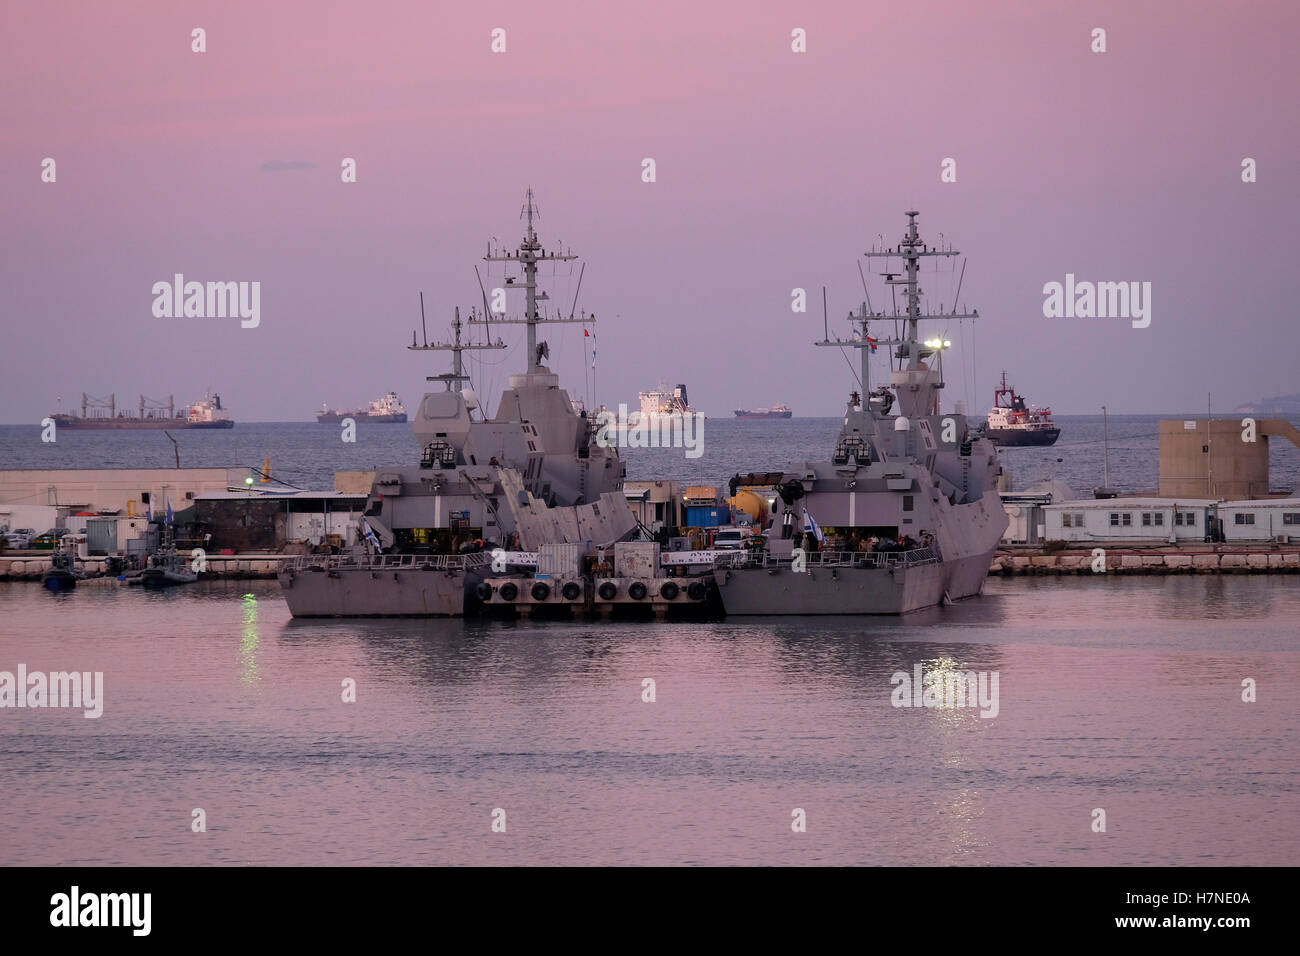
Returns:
(916, 476)
(532, 474)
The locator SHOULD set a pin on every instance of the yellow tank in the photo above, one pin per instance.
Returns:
(752, 503)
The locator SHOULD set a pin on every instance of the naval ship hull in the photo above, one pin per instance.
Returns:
(887, 583)
(848, 589)
(328, 591)
(772, 591)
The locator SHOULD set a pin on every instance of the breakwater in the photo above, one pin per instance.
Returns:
(1223, 559)
(1205, 559)
(234, 566)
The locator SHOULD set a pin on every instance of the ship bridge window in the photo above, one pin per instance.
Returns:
(1066, 520)
(909, 501)
(1291, 517)
(1242, 518)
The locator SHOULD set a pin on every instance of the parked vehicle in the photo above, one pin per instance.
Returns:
(731, 539)
(49, 540)
(20, 538)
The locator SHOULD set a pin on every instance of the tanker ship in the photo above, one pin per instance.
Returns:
(776, 411)
(386, 410)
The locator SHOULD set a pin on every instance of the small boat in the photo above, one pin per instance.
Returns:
(63, 573)
(166, 566)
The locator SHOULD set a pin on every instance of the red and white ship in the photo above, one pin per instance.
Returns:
(1012, 423)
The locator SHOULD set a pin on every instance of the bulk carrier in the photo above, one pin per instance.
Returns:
(104, 413)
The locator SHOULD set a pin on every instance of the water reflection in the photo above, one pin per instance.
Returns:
(248, 673)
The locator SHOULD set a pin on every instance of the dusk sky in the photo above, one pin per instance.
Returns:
(775, 170)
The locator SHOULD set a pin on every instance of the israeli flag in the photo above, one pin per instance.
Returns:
(170, 515)
(369, 535)
(810, 524)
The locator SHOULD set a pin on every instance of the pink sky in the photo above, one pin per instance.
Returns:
(775, 170)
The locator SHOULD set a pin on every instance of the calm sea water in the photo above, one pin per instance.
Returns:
(1119, 694)
(306, 454)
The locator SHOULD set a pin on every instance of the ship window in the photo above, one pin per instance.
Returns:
(1146, 519)
(1191, 517)
(1114, 519)
(1160, 519)
(1065, 520)
(1128, 518)
(1245, 518)
(908, 502)
(1078, 519)
(1291, 517)
(144, 497)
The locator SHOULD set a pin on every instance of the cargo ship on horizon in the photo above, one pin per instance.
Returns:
(386, 410)
(104, 414)
(776, 411)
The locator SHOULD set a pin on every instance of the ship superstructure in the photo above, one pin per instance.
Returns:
(529, 475)
(660, 401)
(905, 512)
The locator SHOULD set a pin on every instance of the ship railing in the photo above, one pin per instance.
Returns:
(386, 562)
(829, 559)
